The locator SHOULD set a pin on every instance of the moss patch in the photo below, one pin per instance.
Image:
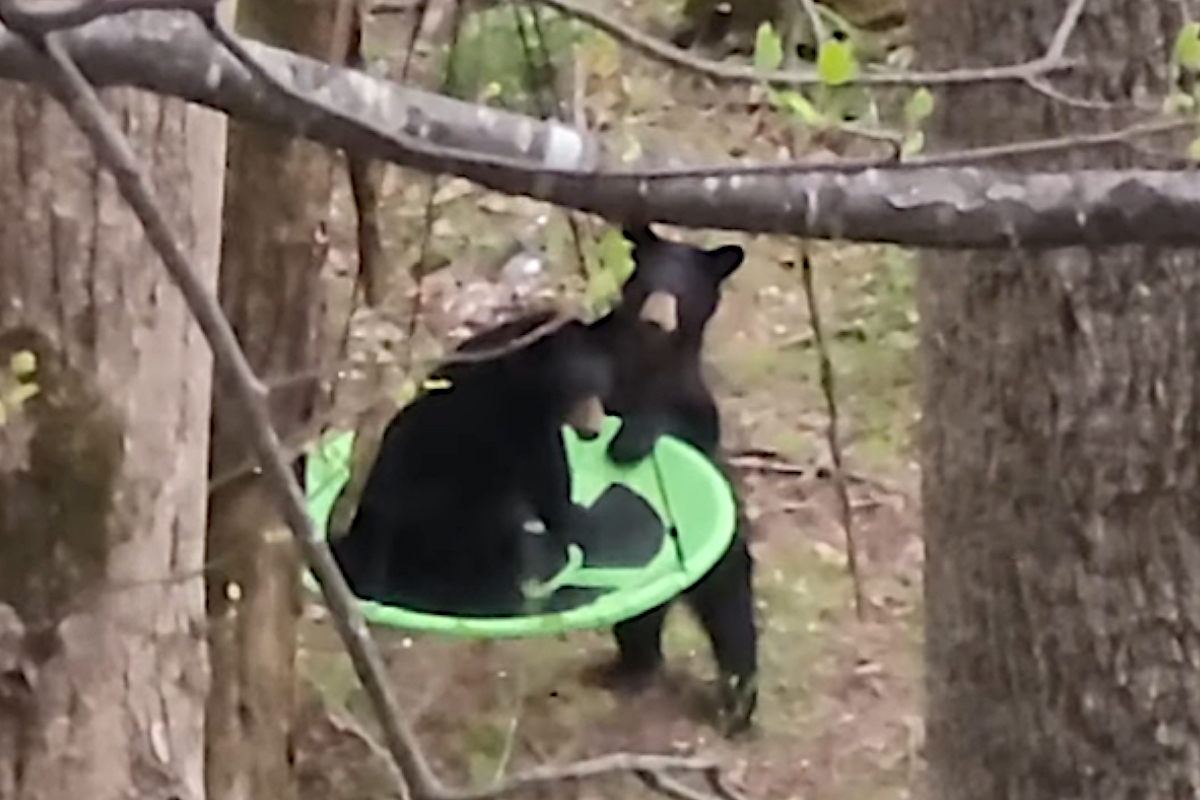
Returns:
(56, 508)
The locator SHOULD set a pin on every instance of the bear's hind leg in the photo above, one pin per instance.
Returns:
(724, 603)
(639, 652)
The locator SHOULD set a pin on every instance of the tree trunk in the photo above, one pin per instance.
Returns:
(275, 214)
(103, 669)
(1061, 453)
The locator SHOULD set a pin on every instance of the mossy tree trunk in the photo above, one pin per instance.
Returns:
(277, 204)
(103, 667)
(1061, 452)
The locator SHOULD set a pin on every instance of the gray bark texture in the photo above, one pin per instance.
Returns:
(1061, 453)
(103, 667)
(277, 203)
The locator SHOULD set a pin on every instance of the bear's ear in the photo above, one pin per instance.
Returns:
(726, 259)
(640, 235)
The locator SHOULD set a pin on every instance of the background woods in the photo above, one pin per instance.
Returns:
(1010, 458)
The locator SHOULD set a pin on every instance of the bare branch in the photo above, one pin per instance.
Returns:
(603, 766)
(1042, 86)
(1058, 45)
(831, 431)
(84, 107)
(344, 722)
(666, 785)
(478, 356)
(295, 443)
(654, 48)
(720, 787)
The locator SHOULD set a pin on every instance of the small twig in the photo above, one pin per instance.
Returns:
(514, 722)
(719, 786)
(1042, 86)
(972, 156)
(114, 152)
(432, 182)
(666, 785)
(809, 7)
(410, 52)
(835, 449)
(344, 722)
(1056, 52)
(478, 356)
(296, 443)
(1070, 19)
(770, 462)
(293, 445)
(396, 7)
(433, 692)
(549, 105)
(603, 766)
(346, 48)
(778, 467)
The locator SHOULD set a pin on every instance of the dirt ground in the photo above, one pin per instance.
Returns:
(840, 708)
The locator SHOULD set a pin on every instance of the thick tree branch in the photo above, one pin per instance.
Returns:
(113, 150)
(909, 204)
(173, 54)
(39, 17)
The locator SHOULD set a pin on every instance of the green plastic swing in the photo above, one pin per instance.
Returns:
(691, 499)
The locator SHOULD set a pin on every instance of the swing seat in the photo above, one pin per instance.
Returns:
(656, 527)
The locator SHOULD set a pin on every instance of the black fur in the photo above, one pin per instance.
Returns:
(441, 525)
(659, 388)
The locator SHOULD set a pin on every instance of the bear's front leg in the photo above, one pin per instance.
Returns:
(636, 438)
(547, 484)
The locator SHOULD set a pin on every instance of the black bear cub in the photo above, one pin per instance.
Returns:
(471, 483)
(655, 336)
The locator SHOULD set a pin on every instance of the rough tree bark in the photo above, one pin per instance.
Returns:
(275, 213)
(104, 670)
(1061, 451)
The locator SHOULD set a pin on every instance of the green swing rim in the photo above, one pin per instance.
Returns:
(681, 484)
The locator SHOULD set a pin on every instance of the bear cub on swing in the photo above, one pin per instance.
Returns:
(654, 337)
(470, 471)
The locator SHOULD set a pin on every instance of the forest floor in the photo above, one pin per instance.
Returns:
(841, 698)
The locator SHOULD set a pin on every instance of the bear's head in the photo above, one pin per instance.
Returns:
(537, 369)
(675, 287)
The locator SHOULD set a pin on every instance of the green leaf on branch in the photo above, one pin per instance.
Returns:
(610, 265)
(914, 142)
(20, 393)
(768, 48)
(836, 63)
(918, 107)
(1178, 102)
(22, 364)
(800, 107)
(1187, 47)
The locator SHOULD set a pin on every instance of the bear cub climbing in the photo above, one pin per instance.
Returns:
(474, 470)
(655, 338)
